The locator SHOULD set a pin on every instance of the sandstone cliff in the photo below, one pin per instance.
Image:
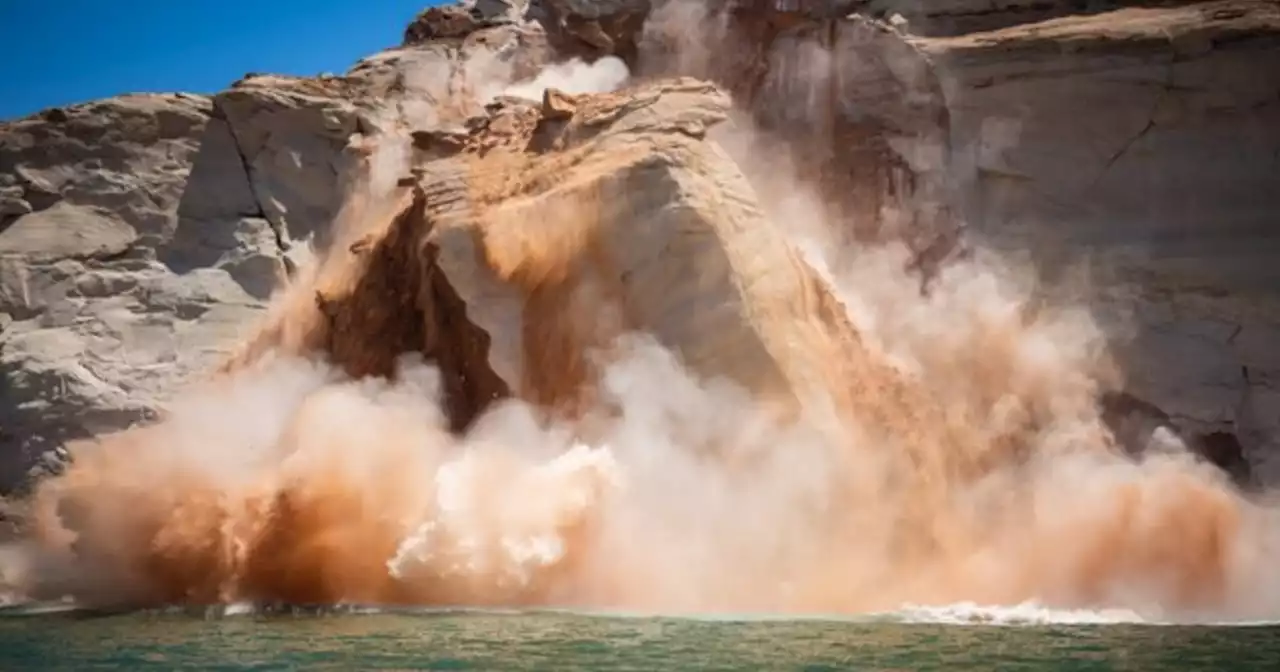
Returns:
(858, 402)
(141, 236)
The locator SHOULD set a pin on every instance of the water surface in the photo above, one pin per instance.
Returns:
(564, 641)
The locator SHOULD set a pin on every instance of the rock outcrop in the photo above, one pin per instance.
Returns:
(855, 105)
(1145, 141)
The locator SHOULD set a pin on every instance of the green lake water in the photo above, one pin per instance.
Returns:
(559, 641)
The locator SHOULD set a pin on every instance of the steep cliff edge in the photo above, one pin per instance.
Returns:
(207, 222)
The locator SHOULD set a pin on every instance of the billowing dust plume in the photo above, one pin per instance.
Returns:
(574, 77)
(284, 481)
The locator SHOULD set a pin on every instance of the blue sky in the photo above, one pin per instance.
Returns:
(55, 52)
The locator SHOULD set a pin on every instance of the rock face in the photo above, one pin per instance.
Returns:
(96, 327)
(857, 106)
(1146, 141)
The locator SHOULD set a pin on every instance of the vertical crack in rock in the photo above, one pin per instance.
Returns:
(1161, 96)
(277, 227)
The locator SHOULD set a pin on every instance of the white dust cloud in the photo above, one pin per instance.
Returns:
(574, 77)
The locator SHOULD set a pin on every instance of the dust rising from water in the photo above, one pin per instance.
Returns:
(287, 483)
(968, 463)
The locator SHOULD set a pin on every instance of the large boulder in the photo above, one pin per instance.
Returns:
(854, 104)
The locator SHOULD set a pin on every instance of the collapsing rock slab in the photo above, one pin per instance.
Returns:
(552, 229)
(624, 218)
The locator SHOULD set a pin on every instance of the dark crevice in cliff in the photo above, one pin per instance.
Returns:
(1128, 144)
(403, 304)
(1133, 422)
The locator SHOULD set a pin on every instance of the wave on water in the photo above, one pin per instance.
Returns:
(968, 613)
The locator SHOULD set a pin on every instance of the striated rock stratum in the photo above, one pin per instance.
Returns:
(141, 237)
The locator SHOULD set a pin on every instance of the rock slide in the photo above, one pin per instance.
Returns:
(424, 204)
